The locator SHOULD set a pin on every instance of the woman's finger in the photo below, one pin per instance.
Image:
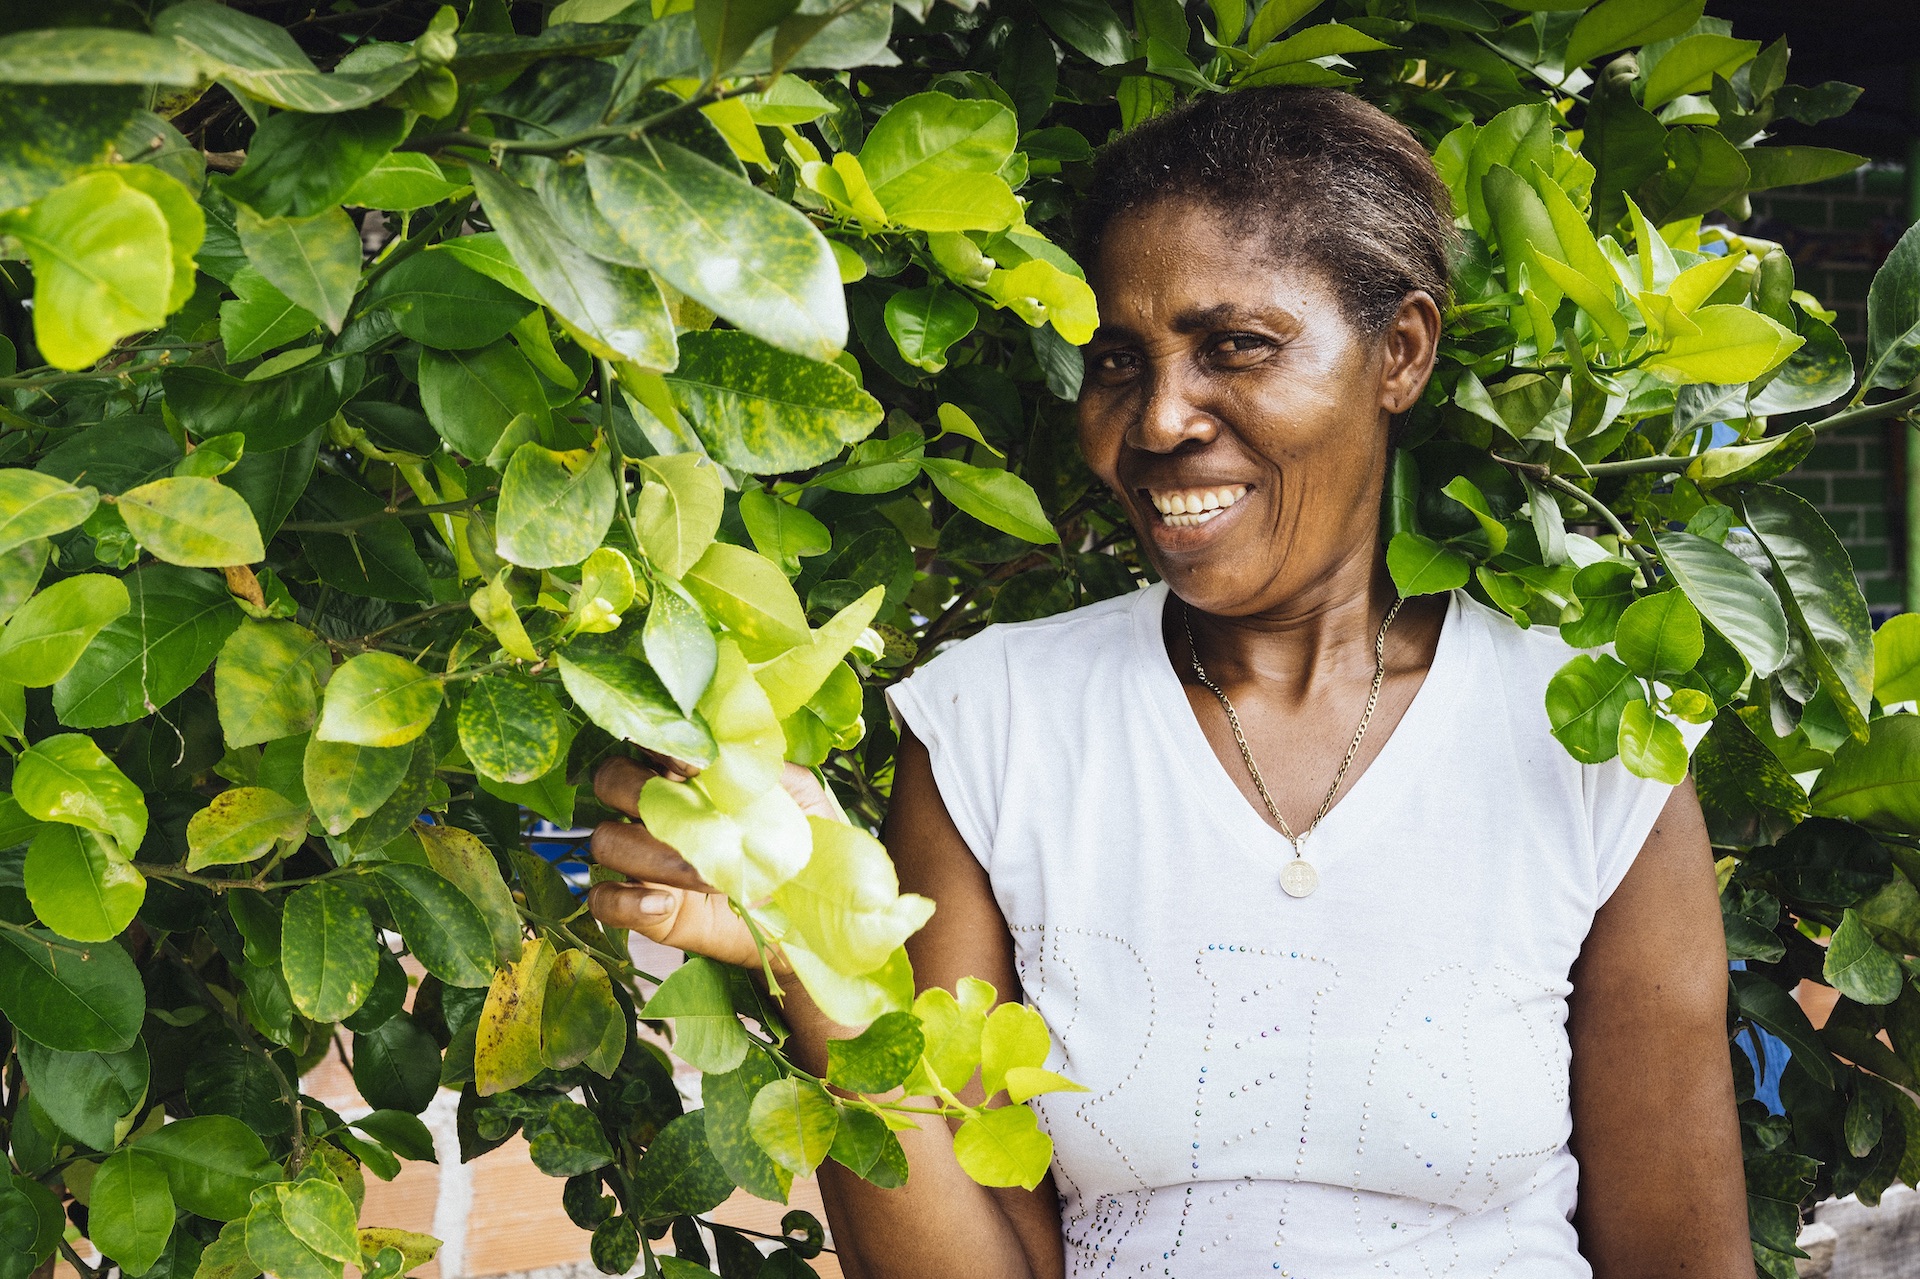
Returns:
(701, 923)
(617, 783)
(634, 852)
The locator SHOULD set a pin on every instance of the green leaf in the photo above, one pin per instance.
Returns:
(707, 1035)
(1893, 317)
(1092, 27)
(226, 1257)
(1730, 595)
(213, 1163)
(926, 322)
(444, 930)
(752, 597)
(678, 644)
(579, 1014)
(274, 412)
(616, 311)
(623, 696)
(68, 779)
(927, 154)
(1015, 1038)
(471, 396)
(378, 699)
(554, 507)
(1650, 746)
(782, 531)
(1585, 701)
(88, 1094)
(1003, 1147)
(273, 1246)
(1813, 577)
(439, 300)
(467, 865)
(679, 1175)
(1814, 375)
(80, 885)
(729, 27)
(33, 506)
(378, 558)
(396, 1066)
(845, 905)
(192, 521)
(727, 1099)
(321, 1216)
(102, 266)
(260, 317)
(86, 999)
(401, 1132)
(328, 952)
(313, 261)
(47, 635)
(264, 61)
(1616, 24)
(403, 181)
(1876, 782)
(1896, 659)
(130, 1210)
(511, 729)
(794, 1121)
(764, 410)
(864, 1144)
(267, 681)
(303, 165)
(678, 510)
(1421, 566)
(1659, 637)
(79, 55)
(152, 653)
(568, 1141)
(879, 1058)
(1858, 968)
(1734, 344)
(681, 213)
(792, 679)
(346, 781)
(1691, 64)
(999, 499)
(1770, 167)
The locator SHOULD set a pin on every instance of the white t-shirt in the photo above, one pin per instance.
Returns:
(1369, 1080)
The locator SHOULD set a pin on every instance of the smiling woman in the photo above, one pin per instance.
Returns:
(1431, 1008)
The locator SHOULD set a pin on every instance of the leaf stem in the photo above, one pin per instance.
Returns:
(1604, 512)
(374, 517)
(1895, 407)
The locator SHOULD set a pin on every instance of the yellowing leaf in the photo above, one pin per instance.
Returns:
(1734, 344)
(1038, 291)
(102, 266)
(1693, 286)
(378, 699)
(793, 677)
(506, 1047)
(845, 905)
(193, 521)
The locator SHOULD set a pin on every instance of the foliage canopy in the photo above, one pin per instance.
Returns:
(406, 407)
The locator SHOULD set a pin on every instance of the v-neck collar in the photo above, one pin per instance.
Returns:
(1205, 772)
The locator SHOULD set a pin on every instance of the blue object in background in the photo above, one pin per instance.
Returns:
(1768, 1064)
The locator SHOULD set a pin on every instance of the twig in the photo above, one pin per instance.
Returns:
(1846, 417)
(1601, 509)
(632, 132)
(374, 517)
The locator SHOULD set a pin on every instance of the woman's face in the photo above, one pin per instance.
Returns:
(1238, 413)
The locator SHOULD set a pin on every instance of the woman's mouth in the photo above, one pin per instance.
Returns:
(1191, 507)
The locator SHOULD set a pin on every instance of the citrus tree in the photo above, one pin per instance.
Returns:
(404, 408)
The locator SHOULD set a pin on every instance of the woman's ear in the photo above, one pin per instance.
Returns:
(1409, 347)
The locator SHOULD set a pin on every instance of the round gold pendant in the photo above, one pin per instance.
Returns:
(1298, 877)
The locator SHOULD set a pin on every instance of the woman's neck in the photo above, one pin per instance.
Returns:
(1323, 634)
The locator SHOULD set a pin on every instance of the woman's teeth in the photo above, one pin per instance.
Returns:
(1185, 508)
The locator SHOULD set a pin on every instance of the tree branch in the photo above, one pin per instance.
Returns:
(1895, 407)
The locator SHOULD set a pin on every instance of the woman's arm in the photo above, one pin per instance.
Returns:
(941, 1223)
(1662, 1193)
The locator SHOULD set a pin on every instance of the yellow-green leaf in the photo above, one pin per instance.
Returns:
(378, 699)
(192, 521)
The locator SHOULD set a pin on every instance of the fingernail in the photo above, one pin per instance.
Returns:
(655, 903)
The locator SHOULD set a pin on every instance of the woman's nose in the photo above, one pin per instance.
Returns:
(1169, 416)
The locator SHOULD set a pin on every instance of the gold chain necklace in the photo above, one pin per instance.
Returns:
(1297, 877)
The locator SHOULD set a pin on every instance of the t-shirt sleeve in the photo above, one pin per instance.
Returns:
(1622, 809)
(959, 705)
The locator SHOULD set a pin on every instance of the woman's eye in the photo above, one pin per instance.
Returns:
(1239, 344)
(1115, 362)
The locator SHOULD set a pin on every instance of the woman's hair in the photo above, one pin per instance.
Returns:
(1321, 174)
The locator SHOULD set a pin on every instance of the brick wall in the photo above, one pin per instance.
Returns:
(1838, 233)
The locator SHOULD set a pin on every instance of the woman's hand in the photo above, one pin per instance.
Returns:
(668, 902)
